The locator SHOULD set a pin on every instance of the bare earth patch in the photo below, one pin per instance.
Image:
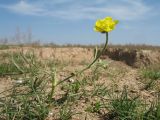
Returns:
(133, 57)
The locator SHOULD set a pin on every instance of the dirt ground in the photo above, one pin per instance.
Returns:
(118, 73)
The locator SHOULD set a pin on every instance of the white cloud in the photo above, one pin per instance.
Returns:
(23, 7)
(83, 9)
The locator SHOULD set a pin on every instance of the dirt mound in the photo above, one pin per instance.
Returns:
(133, 57)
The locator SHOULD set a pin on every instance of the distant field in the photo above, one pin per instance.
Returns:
(128, 46)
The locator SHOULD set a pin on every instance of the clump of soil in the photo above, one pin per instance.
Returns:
(133, 57)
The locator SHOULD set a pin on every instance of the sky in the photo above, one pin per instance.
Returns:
(72, 21)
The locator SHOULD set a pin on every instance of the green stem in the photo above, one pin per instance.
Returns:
(98, 55)
(52, 92)
(54, 82)
(96, 58)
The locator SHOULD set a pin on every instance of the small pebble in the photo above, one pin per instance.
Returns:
(20, 81)
(71, 80)
(50, 113)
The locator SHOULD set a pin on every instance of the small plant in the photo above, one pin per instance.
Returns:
(28, 98)
(153, 113)
(8, 69)
(65, 113)
(124, 107)
(74, 87)
(151, 75)
(97, 69)
(99, 90)
(96, 107)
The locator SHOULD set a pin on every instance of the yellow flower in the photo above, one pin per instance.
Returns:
(105, 25)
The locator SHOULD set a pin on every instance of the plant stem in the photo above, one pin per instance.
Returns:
(54, 82)
(96, 58)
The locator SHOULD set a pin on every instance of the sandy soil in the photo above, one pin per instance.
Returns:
(118, 71)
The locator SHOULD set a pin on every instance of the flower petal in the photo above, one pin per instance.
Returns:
(105, 25)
